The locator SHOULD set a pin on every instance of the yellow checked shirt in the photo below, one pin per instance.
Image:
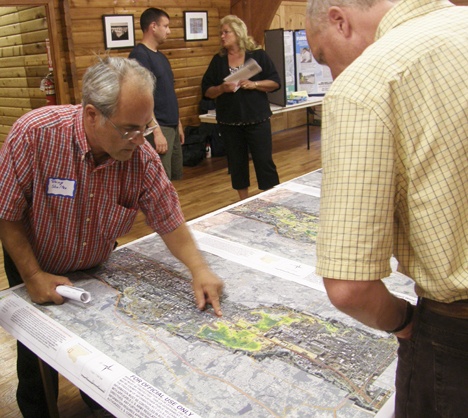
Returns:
(395, 155)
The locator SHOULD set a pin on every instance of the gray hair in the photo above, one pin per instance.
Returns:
(317, 9)
(103, 80)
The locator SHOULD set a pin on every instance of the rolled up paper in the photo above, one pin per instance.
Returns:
(74, 293)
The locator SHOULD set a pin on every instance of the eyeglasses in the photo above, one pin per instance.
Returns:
(225, 32)
(131, 135)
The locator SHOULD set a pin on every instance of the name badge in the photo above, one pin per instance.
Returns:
(61, 187)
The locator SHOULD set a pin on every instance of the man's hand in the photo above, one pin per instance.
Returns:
(405, 333)
(206, 285)
(160, 141)
(41, 287)
(208, 289)
(181, 133)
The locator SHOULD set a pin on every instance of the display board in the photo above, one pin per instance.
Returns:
(312, 77)
(279, 45)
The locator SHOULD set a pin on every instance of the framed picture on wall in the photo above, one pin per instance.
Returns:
(119, 31)
(195, 26)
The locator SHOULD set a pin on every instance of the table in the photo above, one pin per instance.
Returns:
(275, 109)
(141, 348)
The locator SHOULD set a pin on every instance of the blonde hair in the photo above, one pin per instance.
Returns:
(246, 42)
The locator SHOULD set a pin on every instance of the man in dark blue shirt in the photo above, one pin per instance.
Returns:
(169, 138)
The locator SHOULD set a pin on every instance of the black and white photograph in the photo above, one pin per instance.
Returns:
(119, 31)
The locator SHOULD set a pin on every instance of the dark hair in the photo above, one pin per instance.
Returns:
(151, 15)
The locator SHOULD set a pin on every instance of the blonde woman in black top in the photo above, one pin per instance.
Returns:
(242, 109)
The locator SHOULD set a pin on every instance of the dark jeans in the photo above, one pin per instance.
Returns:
(239, 140)
(30, 393)
(432, 372)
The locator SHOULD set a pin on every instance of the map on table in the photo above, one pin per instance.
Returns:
(279, 350)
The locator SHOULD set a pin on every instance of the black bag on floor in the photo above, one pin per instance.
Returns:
(211, 132)
(217, 143)
(194, 147)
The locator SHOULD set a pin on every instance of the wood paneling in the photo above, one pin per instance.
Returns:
(24, 27)
(290, 15)
(189, 60)
(23, 62)
(80, 37)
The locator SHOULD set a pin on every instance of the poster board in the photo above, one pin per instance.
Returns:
(279, 45)
(311, 76)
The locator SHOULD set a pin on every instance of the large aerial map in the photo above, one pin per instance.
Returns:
(280, 349)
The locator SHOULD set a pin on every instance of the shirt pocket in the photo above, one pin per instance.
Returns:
(117, 222)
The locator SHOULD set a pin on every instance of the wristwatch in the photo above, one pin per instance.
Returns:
(408, 318)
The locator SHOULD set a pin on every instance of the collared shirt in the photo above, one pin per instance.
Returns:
(395, 155)
(72, 210)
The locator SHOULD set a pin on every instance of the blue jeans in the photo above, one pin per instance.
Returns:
(432, 372)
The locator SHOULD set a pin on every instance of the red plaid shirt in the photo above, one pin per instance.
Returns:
(72, 210)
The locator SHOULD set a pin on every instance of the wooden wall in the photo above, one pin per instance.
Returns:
(80, 36)
(189, 60)
(23, 62)
(290, 15)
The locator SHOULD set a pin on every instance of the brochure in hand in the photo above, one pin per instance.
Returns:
(249, 69)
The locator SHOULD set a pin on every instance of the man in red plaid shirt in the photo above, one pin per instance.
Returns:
(73, 180)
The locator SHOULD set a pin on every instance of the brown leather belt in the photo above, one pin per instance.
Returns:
(458, 309)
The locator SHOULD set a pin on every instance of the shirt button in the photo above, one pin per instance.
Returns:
(84, 244)
(88, 219)
(91, 195)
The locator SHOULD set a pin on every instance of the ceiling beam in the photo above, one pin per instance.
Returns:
(257, 15)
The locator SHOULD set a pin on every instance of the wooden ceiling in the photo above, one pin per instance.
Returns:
(257, 15)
